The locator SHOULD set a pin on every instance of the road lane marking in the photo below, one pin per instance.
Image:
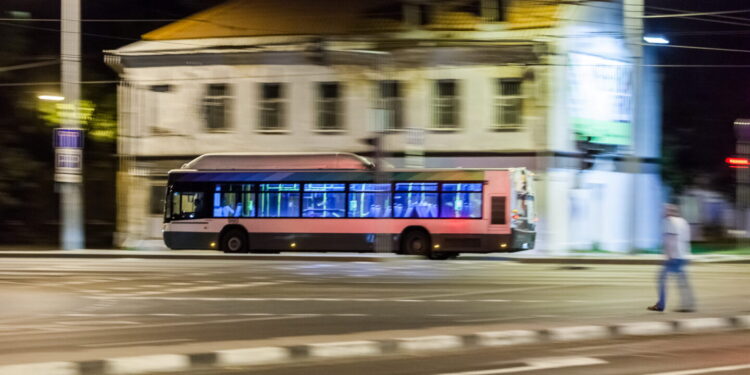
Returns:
(705, 370)
(97, 322)
(536, 364)
(153, 296)
(71, 328)
(492, 291)
(198, 315)
(127, 343)
(201, 288)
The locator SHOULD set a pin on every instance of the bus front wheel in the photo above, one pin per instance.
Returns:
(416, 242)
(234, 241)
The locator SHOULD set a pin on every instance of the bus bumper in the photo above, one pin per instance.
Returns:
(522, 239)
(194, 241)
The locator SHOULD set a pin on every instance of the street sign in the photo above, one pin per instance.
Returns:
(68, 144)
(68, 138)
(68, 160)
(68, 164)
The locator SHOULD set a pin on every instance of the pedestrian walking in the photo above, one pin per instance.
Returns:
(677, 253)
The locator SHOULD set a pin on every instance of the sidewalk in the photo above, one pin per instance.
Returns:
(522, 257)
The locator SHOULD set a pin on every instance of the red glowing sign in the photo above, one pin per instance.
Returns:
(736, 162)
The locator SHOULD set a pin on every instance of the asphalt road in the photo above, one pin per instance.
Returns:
(78, 309)
(721, 353)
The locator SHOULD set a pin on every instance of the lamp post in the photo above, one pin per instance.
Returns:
(69, 138)
(742, 130)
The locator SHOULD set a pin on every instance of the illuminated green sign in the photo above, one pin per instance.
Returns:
(600, 105)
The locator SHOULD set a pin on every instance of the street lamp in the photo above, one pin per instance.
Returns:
(51, 98)
(655, 39)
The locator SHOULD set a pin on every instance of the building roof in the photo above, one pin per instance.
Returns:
(526, 14)
(250, 18)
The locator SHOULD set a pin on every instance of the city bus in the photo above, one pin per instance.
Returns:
(327, 202)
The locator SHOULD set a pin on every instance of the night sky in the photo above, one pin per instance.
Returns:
(700, 104)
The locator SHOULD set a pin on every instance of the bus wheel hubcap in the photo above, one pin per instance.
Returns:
(233, 243)
(416, 245)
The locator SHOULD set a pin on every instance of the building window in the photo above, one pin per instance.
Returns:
(216, 106)
(493, 10)
(445, 105)
(391, 101)
(157, 102)
(158, 196)
(508, 103)
(271, 106)
(369, 200)
(278, 200)
(324, 200)
(329, 106)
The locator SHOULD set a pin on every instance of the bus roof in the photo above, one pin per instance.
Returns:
(276, 161)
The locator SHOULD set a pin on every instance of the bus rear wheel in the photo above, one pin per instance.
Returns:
(416, 242)
(234, 241)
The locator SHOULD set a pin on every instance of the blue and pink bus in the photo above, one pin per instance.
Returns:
(325, 202)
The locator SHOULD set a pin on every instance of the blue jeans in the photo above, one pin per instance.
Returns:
(676, 266)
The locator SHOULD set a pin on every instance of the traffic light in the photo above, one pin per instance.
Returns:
(737, 162)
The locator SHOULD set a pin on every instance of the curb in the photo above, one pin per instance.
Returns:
(272, 355)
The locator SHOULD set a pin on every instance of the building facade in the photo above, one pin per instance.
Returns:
(554, 86)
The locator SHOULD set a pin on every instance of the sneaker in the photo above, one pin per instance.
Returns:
(685, 310)
(655, 308)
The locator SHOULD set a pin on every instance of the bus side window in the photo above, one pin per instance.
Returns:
(279, 200)
(415, 200)
(369, 200)
(498, 210)
(461, 200)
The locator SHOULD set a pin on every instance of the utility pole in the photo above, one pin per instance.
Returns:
(633, 24)
(742, 130)
(69, 139)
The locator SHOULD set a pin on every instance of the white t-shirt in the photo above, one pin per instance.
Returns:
(676, 238)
